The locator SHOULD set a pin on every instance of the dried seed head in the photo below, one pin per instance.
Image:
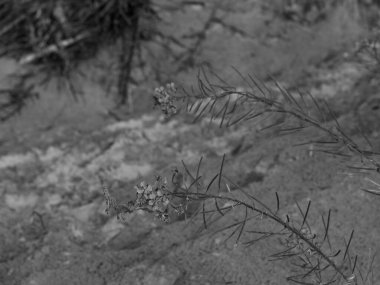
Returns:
(163, 97)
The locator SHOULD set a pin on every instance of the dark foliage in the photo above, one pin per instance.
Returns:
(52, 38)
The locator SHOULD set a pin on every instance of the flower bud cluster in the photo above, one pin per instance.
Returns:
(163, 98)
(154, 198)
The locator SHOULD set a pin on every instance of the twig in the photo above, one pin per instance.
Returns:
(54, 48)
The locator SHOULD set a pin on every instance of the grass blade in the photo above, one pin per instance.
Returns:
(277, 202)
(221, 172)
(327, 227)
(348, 245)
(204, 215)
(242, 226)
(211, 182)
(217, 207)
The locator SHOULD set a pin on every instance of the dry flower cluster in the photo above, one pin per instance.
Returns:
(163, 97)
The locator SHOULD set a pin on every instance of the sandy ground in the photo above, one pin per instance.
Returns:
(53, 226)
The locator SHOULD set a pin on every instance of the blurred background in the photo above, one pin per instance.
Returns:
(77, 80)
(83, 60)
